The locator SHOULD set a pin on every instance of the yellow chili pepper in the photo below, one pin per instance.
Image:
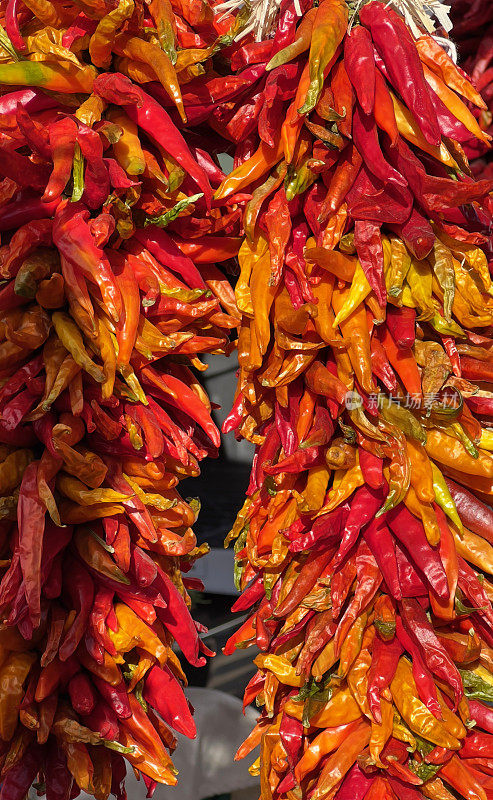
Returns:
(341, 708)
(77, 491)
(353, 478)
(451, 452)
(100, 45)
(457, 108)
(71, 338)
(12, 470)
(133, 632)
(400, 261)
(128, 150)
(138, 49)
(414, 712)
(410, 130)
(329, 28)
(63, 78)
(13, 673)
(425, 513)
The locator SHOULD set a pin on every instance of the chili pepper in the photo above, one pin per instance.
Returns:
(31, 520)
(360, 66)
(62, 144)
(380, 542)
(410, 532)
(164, 693)
(103, 720)
(81, 694)
(96, 178)
(73, 238)
(20, 777)
(436, 658)
(457, 775)
(414, 712)
(440, 62)
(12, 26)
(394, 43)
(115, 696)
(329, 26)
(81, 590)
(403, 361)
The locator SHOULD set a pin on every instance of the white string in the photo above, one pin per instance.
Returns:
(418, 14)
(448, 46)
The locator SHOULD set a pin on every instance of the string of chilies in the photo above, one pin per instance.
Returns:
(105, 307)
(364, 547)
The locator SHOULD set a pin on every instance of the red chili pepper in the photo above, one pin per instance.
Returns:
(325, 530)
(468, 583)
(165, 250)
(385, 657)
(81, 590)
(359, 62)
(347, 169)
(116, 697)
(73, 238)
(475, 515)
(80, 27)
(368, 243)
(291, 733)
(435, 656)
(31, 520)
(183, 398)
(424, 682)
(304, 583)
(62, 136)
(364, 505)
(82, 694)
(103, 720)
(409, 531)
(35, 134)
(355, 785)
(96, 177)
(19, 778)
(381, 366)
(452, 352)
(177, 619)
(379, 540)
(401, 323)
(165, 694)
(23, 171)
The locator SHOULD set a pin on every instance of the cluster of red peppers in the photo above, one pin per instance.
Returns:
(364, 547)
(106, 304)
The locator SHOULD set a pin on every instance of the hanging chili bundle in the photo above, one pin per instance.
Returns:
(363, 549)
(109, 296)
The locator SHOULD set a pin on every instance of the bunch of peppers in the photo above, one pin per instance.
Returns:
(109, 294)
(364, 547)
